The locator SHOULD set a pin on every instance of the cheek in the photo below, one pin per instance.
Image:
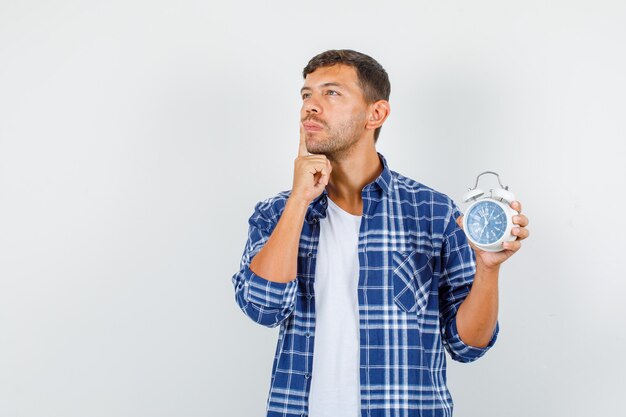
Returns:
(359, 116)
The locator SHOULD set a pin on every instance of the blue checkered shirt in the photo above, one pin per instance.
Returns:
(415, 270)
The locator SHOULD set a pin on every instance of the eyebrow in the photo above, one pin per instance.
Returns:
(329, 84)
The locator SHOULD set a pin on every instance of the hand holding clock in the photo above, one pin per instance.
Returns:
(492, 260)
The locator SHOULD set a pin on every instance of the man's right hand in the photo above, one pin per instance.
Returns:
(311, 173)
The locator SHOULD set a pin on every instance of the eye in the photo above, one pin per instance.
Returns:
(305, 96)
(332, 93)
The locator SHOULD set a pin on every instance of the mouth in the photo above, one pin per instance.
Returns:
(312, 127)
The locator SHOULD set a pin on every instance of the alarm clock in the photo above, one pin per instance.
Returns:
(489, 218)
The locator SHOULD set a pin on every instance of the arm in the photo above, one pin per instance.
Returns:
(456, 281)
(266, 302)
(277, 261)
(266, 284)
(478, 314)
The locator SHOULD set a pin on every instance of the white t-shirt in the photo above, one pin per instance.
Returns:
(335, 387)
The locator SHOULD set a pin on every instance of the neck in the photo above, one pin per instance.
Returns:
(350, 175)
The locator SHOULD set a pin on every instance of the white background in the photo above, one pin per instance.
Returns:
(136, 137)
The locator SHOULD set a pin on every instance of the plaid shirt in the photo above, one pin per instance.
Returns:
(415, 270)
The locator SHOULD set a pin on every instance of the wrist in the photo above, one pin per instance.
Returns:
(297, 203)
(485, 269)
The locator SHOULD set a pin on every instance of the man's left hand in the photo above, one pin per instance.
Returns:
(492, 260)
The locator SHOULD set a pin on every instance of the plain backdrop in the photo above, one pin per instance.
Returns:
(136, 137)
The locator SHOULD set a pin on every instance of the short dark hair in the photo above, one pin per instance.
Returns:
(373, 78)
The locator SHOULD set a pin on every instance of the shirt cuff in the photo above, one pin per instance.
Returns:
(269, 294)
(462, 352)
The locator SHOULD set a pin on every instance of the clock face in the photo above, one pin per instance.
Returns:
(486, 222)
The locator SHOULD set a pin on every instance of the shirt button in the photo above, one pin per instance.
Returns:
(307, 334)
(315, 220)
(324, 200)
(307, 375)
(309, 296)
(310, 254)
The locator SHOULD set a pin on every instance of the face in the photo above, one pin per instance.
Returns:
(334, 110)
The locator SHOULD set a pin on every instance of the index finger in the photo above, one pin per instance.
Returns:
(302, 150)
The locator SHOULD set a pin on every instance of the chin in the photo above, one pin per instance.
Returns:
(318, 150)
(315, 148)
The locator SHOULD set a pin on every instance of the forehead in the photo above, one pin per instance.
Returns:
(339, 74)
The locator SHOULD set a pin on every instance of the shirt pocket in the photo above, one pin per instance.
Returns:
(412, 277)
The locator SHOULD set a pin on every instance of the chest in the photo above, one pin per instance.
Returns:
(395, 251)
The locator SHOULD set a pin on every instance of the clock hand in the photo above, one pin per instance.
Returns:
(483, 230)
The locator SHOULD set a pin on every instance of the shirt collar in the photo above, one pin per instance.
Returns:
(383, 183)
(384, 180)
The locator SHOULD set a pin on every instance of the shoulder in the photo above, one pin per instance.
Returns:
(421, 195)
(429, 206)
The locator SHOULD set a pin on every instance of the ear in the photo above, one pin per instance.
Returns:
(379, 110)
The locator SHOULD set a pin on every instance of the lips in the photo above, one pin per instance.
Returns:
(312, 127)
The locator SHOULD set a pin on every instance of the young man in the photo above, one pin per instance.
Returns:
(367, 272)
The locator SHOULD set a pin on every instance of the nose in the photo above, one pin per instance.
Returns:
(311, 105)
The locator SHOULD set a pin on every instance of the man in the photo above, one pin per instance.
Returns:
(368, 273)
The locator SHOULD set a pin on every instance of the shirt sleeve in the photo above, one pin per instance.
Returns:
(266, 302)
(459, 268)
